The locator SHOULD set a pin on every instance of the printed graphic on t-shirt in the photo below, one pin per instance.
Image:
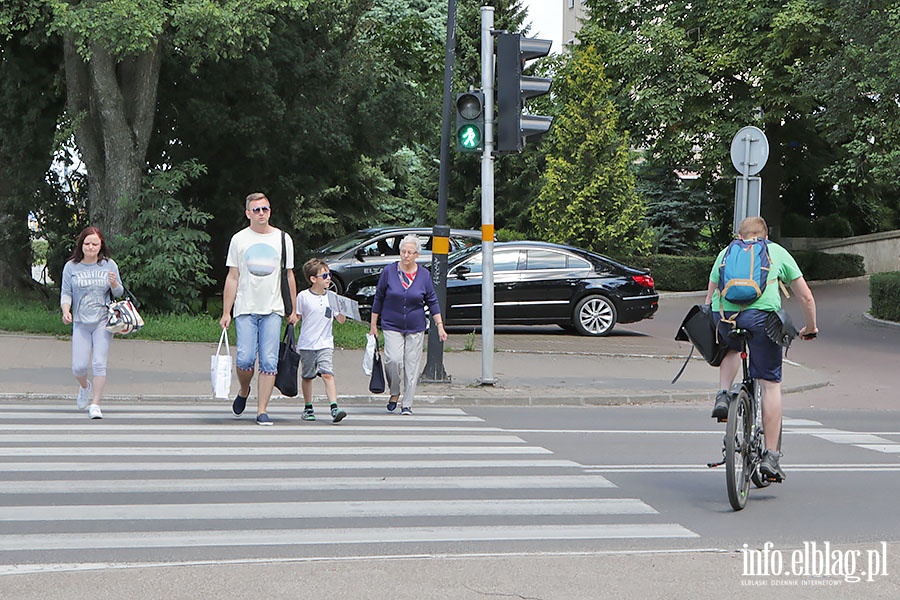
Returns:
(262, 259)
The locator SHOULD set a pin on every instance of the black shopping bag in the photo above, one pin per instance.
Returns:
(376, 381)
(288, 363)
(699, 327)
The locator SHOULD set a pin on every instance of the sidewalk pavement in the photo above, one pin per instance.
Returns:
(539, 366)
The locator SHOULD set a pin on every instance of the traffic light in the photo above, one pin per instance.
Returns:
(513, 127)
(470, 121)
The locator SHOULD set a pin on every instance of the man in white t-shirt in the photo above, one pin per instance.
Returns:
(253, 291)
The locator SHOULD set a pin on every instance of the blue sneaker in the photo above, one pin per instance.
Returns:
(263, 419)
(240, 403)
(337, 415)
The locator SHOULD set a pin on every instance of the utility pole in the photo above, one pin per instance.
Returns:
(487, 199)
(434, 366)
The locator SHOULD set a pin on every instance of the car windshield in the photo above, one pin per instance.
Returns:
(344, 243)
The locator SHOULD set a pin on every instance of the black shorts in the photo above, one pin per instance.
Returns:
(765, 355)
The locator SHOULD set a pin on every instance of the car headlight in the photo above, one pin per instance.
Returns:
(366, 291)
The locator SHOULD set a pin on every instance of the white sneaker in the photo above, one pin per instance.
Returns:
(94, 412)
(84, 397)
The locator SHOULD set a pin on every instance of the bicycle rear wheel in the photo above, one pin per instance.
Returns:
(738, 463)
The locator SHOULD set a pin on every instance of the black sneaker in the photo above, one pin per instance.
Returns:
(337, 415)
(720, 410)
(240, 403)
(392, 406)
(769, 467)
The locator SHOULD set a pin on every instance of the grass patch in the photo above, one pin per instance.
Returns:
(31, 312)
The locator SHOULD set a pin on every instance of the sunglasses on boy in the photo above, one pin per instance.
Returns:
(323, 275)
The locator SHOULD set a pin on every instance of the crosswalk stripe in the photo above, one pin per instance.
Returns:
(649, 468)
(97, 428)
(268, 436)
(30, 410)
(886, 448)
(373, 535)
(257, 467)
(114, 415)
(328, 510)
(304, 450)
(65, 474)
(292, 484)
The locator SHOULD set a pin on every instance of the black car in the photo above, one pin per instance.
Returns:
(368, 251)
(536, 283)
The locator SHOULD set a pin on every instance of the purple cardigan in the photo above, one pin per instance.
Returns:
(403, 309)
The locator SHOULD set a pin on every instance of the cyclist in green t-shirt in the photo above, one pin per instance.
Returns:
(765, 354)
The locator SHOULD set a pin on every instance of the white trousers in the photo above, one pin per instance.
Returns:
(403, 362)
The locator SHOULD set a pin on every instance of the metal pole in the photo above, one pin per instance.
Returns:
(747, 141)
(487, 198)
(434, 366)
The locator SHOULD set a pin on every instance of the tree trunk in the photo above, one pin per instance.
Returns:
(771, 202)
(112, 103)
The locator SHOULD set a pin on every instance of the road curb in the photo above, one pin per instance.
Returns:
(522, 398)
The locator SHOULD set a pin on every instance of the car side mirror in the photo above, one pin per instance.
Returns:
(360, 255)
(461, 271)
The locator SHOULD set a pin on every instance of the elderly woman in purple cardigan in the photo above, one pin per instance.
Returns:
(403, 291)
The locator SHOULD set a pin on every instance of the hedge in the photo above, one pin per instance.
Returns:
(884, 289)
(691, 273)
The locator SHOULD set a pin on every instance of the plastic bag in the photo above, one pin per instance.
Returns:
(369, 354)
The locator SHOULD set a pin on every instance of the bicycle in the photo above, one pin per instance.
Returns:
(744, 437)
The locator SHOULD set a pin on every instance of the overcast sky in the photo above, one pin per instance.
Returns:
(545, 17)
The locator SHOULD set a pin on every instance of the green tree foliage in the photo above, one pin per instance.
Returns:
(325, 120)
(588, 197)
(675, 209)
(688, 75)
(30, 104)
(112, 54)
(855, 75)
(164, 261)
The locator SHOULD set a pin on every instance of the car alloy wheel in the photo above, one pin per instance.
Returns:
(594, 315)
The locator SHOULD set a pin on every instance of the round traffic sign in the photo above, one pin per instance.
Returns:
(749, 150)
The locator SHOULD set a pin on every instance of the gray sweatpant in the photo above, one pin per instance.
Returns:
(402, 362)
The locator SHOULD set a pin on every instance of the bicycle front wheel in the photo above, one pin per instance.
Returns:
(738, 463)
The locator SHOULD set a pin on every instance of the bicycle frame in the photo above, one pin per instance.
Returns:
(743, 443)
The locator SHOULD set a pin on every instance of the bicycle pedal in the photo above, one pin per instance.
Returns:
(721, 419)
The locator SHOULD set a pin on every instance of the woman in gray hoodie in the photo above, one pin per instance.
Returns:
(89, 278)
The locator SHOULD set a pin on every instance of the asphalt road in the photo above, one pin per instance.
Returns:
(185, 500)
(467, 502)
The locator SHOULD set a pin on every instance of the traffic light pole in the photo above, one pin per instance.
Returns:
(434, 366)
(487, 199)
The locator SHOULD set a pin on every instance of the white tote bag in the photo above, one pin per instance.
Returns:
(220, 369)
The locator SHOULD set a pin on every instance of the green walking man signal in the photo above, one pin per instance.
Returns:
(470, 121)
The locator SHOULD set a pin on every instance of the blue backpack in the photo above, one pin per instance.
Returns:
(744, 271)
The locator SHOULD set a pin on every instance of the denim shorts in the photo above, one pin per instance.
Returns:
(258, 334)
(765, 355)
(316, 362)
